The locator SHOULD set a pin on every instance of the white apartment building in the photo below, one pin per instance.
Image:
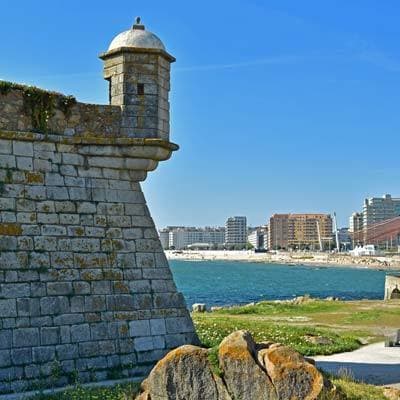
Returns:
(258, 238)
(356, 222)
(181, 237)
(165, 233)
(164, 238)
(236, 231)
(375, 210)
(378, 209)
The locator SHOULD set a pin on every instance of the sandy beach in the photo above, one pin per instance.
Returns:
(280, 257)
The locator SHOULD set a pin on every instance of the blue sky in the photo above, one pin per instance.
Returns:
(278, 106)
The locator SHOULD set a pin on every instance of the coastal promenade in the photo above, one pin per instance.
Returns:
(374, 364)
(290, 258)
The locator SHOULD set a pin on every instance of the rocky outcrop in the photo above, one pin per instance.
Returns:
(199, 307)
(248, 371)
(243, 374)
(183, 374)
(292, 376)
(391, 393)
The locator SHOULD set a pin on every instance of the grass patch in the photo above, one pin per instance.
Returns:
(119, 392)
(346, 390)
(376, 316)
(213, 358)
(360, 318)
(212, 329)
(287, 309)
(350, 390)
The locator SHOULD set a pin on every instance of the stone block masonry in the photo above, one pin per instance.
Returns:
(84, 284)
(86, 292)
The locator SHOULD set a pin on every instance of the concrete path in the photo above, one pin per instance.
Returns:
(375, 364)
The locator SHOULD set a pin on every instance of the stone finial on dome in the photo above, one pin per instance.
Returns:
(138, 25)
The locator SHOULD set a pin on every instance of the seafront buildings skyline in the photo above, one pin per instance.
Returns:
(375, 210)
(378, 223)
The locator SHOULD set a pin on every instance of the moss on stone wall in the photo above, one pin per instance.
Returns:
(40, 105)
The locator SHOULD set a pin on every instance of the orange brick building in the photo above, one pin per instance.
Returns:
(300, 231)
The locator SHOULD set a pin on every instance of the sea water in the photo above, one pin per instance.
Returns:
(227, 282)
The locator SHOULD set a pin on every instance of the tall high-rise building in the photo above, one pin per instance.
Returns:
(236, 231)
(355, 222)
(372, 225)
(164, 237)
(278, 231)
(378, 209)
(300, 231)
(356, 228)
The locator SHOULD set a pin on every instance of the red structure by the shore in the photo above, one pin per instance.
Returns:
(385, 234)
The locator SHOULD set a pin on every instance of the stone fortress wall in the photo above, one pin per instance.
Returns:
(21, 111)
(86, 292)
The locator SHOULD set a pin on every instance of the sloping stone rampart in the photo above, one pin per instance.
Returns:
(86, 292)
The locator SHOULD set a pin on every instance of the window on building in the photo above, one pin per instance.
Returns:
(140, 89)
(109, 90)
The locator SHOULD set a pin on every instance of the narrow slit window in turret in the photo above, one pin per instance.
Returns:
(140, 88)
(109, 90)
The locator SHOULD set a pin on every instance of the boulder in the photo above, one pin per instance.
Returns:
(250, 371)
(391, 393)
(244, 377)
(302, 299)
(332, 298)
(199, 307)
(318, 340)
(292, 375)
(184, 374)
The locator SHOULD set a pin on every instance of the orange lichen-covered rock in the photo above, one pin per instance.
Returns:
(292, 376)
(250, 371)
(183, 374)
(391, 393)
(243, 375)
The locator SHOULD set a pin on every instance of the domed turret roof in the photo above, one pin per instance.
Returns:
(137, 37)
